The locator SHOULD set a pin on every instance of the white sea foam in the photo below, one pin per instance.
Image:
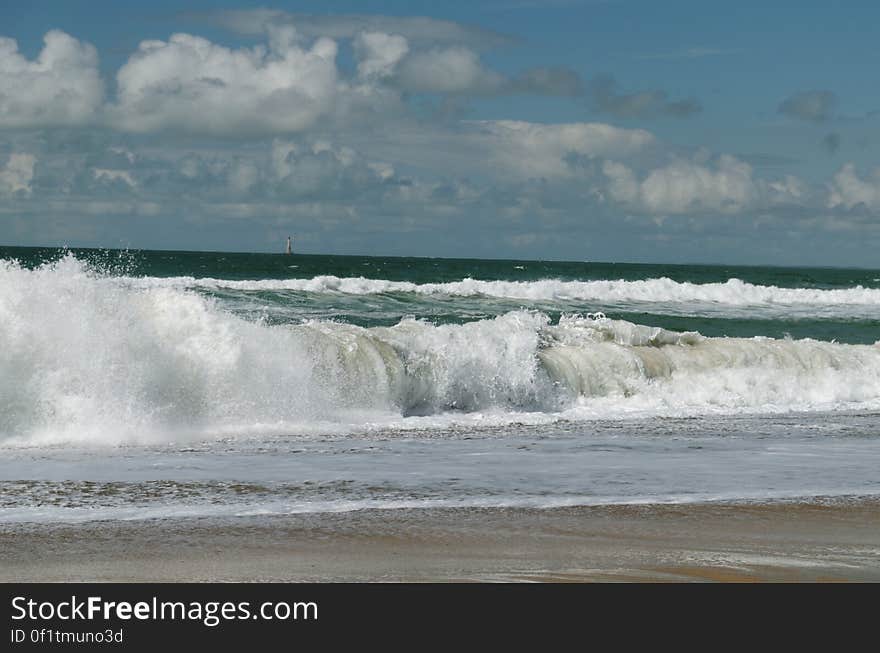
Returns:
(91, 358)
(220, 509)
(734, 292)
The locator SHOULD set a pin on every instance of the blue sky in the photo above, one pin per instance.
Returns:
(595, 130)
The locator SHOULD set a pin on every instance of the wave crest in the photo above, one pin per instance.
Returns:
(733, 291)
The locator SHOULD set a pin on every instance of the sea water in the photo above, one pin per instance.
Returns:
(137, 384)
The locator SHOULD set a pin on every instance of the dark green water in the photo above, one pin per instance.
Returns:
(241, 265)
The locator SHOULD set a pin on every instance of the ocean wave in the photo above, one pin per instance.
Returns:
(89, 358)
(732, 299)
(734, 292)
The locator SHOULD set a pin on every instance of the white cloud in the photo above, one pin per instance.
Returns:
(623, 185)
(448, 70)
(849, 190)
(378, 53)
(685, 186)
(109, 175)
(789, 190)
(242, 175)
(350, 190)
(17, 174)
(61, 86)
(192, 84)
(324, 169)
(539, 150)
(291, 84)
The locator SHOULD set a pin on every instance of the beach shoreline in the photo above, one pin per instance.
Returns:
(833, 540)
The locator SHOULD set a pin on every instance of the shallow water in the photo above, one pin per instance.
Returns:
(629, 461)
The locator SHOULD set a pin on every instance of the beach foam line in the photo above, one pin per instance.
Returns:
(272, 508)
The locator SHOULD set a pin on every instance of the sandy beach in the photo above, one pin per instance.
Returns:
(816, 541)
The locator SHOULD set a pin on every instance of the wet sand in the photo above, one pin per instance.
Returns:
(816, 541)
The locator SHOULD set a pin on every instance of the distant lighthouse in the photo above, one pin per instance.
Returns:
(289, 248)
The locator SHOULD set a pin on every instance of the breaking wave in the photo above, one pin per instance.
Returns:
(93, 358)
(662, 295)
(734, 291)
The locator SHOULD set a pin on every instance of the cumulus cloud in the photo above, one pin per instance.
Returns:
(205, 176)
(378, 53)
(190, 83)
(539, 150)
(848, 190)
(183, 182)
(291, 84)
(337, 189)
(685, 186)
(814, 106)
(451, 70)
(442, 55)
(242, 176)
(645, 104)
(17, 174)
(448, 70)
(312, 158)
(62, 86)
(322, 169)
